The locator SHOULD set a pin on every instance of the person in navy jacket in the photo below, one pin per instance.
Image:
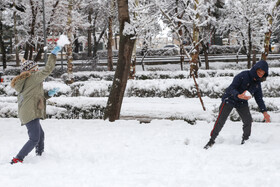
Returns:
(235, 96)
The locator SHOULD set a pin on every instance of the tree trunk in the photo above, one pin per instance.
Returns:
(89, 35)
(205, 51)
(76, 43)
(180, 34)
(249, 47)
(195, 53)
(39, 54)
(94, 48)
(69, 52)
(16, 39)
(254, 56)
(132, 70)
(25, 56)
(4, 59)
(109, 45)
(110, 38)
(266, 45)
(121, 75)
(30, 52)
(268, 34)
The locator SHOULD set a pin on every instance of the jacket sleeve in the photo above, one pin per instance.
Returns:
(233, 87)
(259, 99)
(46, 71)
(46, 95)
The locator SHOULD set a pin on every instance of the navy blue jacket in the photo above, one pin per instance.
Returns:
(247, 80)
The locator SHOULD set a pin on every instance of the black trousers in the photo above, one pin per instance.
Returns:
(224, 112)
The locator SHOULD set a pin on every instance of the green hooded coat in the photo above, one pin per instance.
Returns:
(31, 96)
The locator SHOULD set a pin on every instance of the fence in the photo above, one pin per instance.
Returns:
(154, 60)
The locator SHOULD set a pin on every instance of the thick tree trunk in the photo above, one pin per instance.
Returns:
(121, 75)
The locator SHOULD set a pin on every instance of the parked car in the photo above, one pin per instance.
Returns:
(275, 47)
(171, 46)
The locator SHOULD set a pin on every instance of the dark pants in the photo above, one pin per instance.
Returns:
(36, 138)
(224, 112)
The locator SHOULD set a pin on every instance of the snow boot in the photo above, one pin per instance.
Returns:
(209, 144)
(16, 160)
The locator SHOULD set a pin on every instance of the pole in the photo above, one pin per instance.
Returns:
(45, 34)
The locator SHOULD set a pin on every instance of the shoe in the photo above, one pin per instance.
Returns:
(244, 140)
(16, 160)
(39, 153)
(209, 144)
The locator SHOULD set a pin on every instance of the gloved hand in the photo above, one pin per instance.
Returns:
(56, 50)
(53, 91)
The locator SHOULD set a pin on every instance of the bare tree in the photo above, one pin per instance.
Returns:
(126, 44)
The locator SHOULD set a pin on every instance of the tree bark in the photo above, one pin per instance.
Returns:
(89, 34)
(249, 47)
(194, 55)
(205, 51)
(180, 34)
(110, 38)
(109, 45)
(16, 39)
(268, 34)
(4, 58)
(121, 75)
(266, 45)
(69, 51)
(76, 43)
(254, 56)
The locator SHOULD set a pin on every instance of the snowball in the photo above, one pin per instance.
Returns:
(63, 40)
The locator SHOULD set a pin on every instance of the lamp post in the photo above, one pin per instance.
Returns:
(44, 30)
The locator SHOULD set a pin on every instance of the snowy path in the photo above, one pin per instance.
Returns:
(126, 154)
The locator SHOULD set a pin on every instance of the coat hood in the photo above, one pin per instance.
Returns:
(262, 64)
(18, 82)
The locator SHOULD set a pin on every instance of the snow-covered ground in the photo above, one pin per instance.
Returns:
(128, 154)
(162, 153)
